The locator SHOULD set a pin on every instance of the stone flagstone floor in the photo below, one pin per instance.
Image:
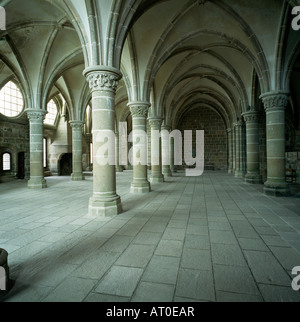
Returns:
(209, 238)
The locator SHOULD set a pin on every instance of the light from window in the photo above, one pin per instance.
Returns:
(52, 113)
(11, 100)
(6, 162)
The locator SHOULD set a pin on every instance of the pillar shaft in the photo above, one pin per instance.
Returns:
(233, 149)
(88, 138)
(103, 82)
(172, 156)
(166, 151)
(36, 118)
(119, 168)
(230, 151)
(139, 111)
(252, 138)
(275, 104)
(77, 126)
(156, 157)
(238, 150)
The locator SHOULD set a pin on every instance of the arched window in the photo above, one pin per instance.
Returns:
(6, 162)
(11, 100)
(52, 113)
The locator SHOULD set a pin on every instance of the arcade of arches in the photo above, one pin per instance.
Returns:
(230, 68)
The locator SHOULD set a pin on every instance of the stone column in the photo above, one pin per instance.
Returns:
(230, 151)
(77, 126)
(275, 104)
(252, 138)
(238, 150)
(119, 168)
(156, 158)
(103, 82)
(166, 151)
(172, 156)
(88, 138)
(36, 118)
(233, 149)
(139, 111)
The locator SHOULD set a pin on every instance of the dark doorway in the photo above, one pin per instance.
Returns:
(66, 166)
(21, 165)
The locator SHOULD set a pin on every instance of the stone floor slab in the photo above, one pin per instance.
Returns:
(210, 238)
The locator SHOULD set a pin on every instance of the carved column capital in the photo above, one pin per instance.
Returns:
(275, 100)
(36, 114)
(76, 125)
(251, 117)
(166, 127)
(155, 123)
(238, 124)
(101, 78)
(139, 109)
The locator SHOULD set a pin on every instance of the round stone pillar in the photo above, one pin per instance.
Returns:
(36, 118)
(233, 149)
(238, 150)
(172, 156)
(88, 139)
(166, 151)
(119, 168)
(230, 151)
(275, 104)
(252, 138)
(103, 82)
(156, 157)
(139, 112)
(77, 126)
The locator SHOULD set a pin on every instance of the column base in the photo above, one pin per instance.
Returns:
(277, 189)
(239, 174)
(157, 179)
(253, 178)
(119, 169)
(140, 187)
(167, 173)
(105, 208)
(77, 177)
(37, 184)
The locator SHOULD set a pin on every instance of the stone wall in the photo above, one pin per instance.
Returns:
(14, 139)
(215, 136)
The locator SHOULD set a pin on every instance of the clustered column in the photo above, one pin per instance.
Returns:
(275, 104)
(103, 82)
(36, 118)
(252, 135)
(156, 158)
(77, 126)
(139, 111)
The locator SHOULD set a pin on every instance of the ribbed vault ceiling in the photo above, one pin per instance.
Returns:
(177, 54)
